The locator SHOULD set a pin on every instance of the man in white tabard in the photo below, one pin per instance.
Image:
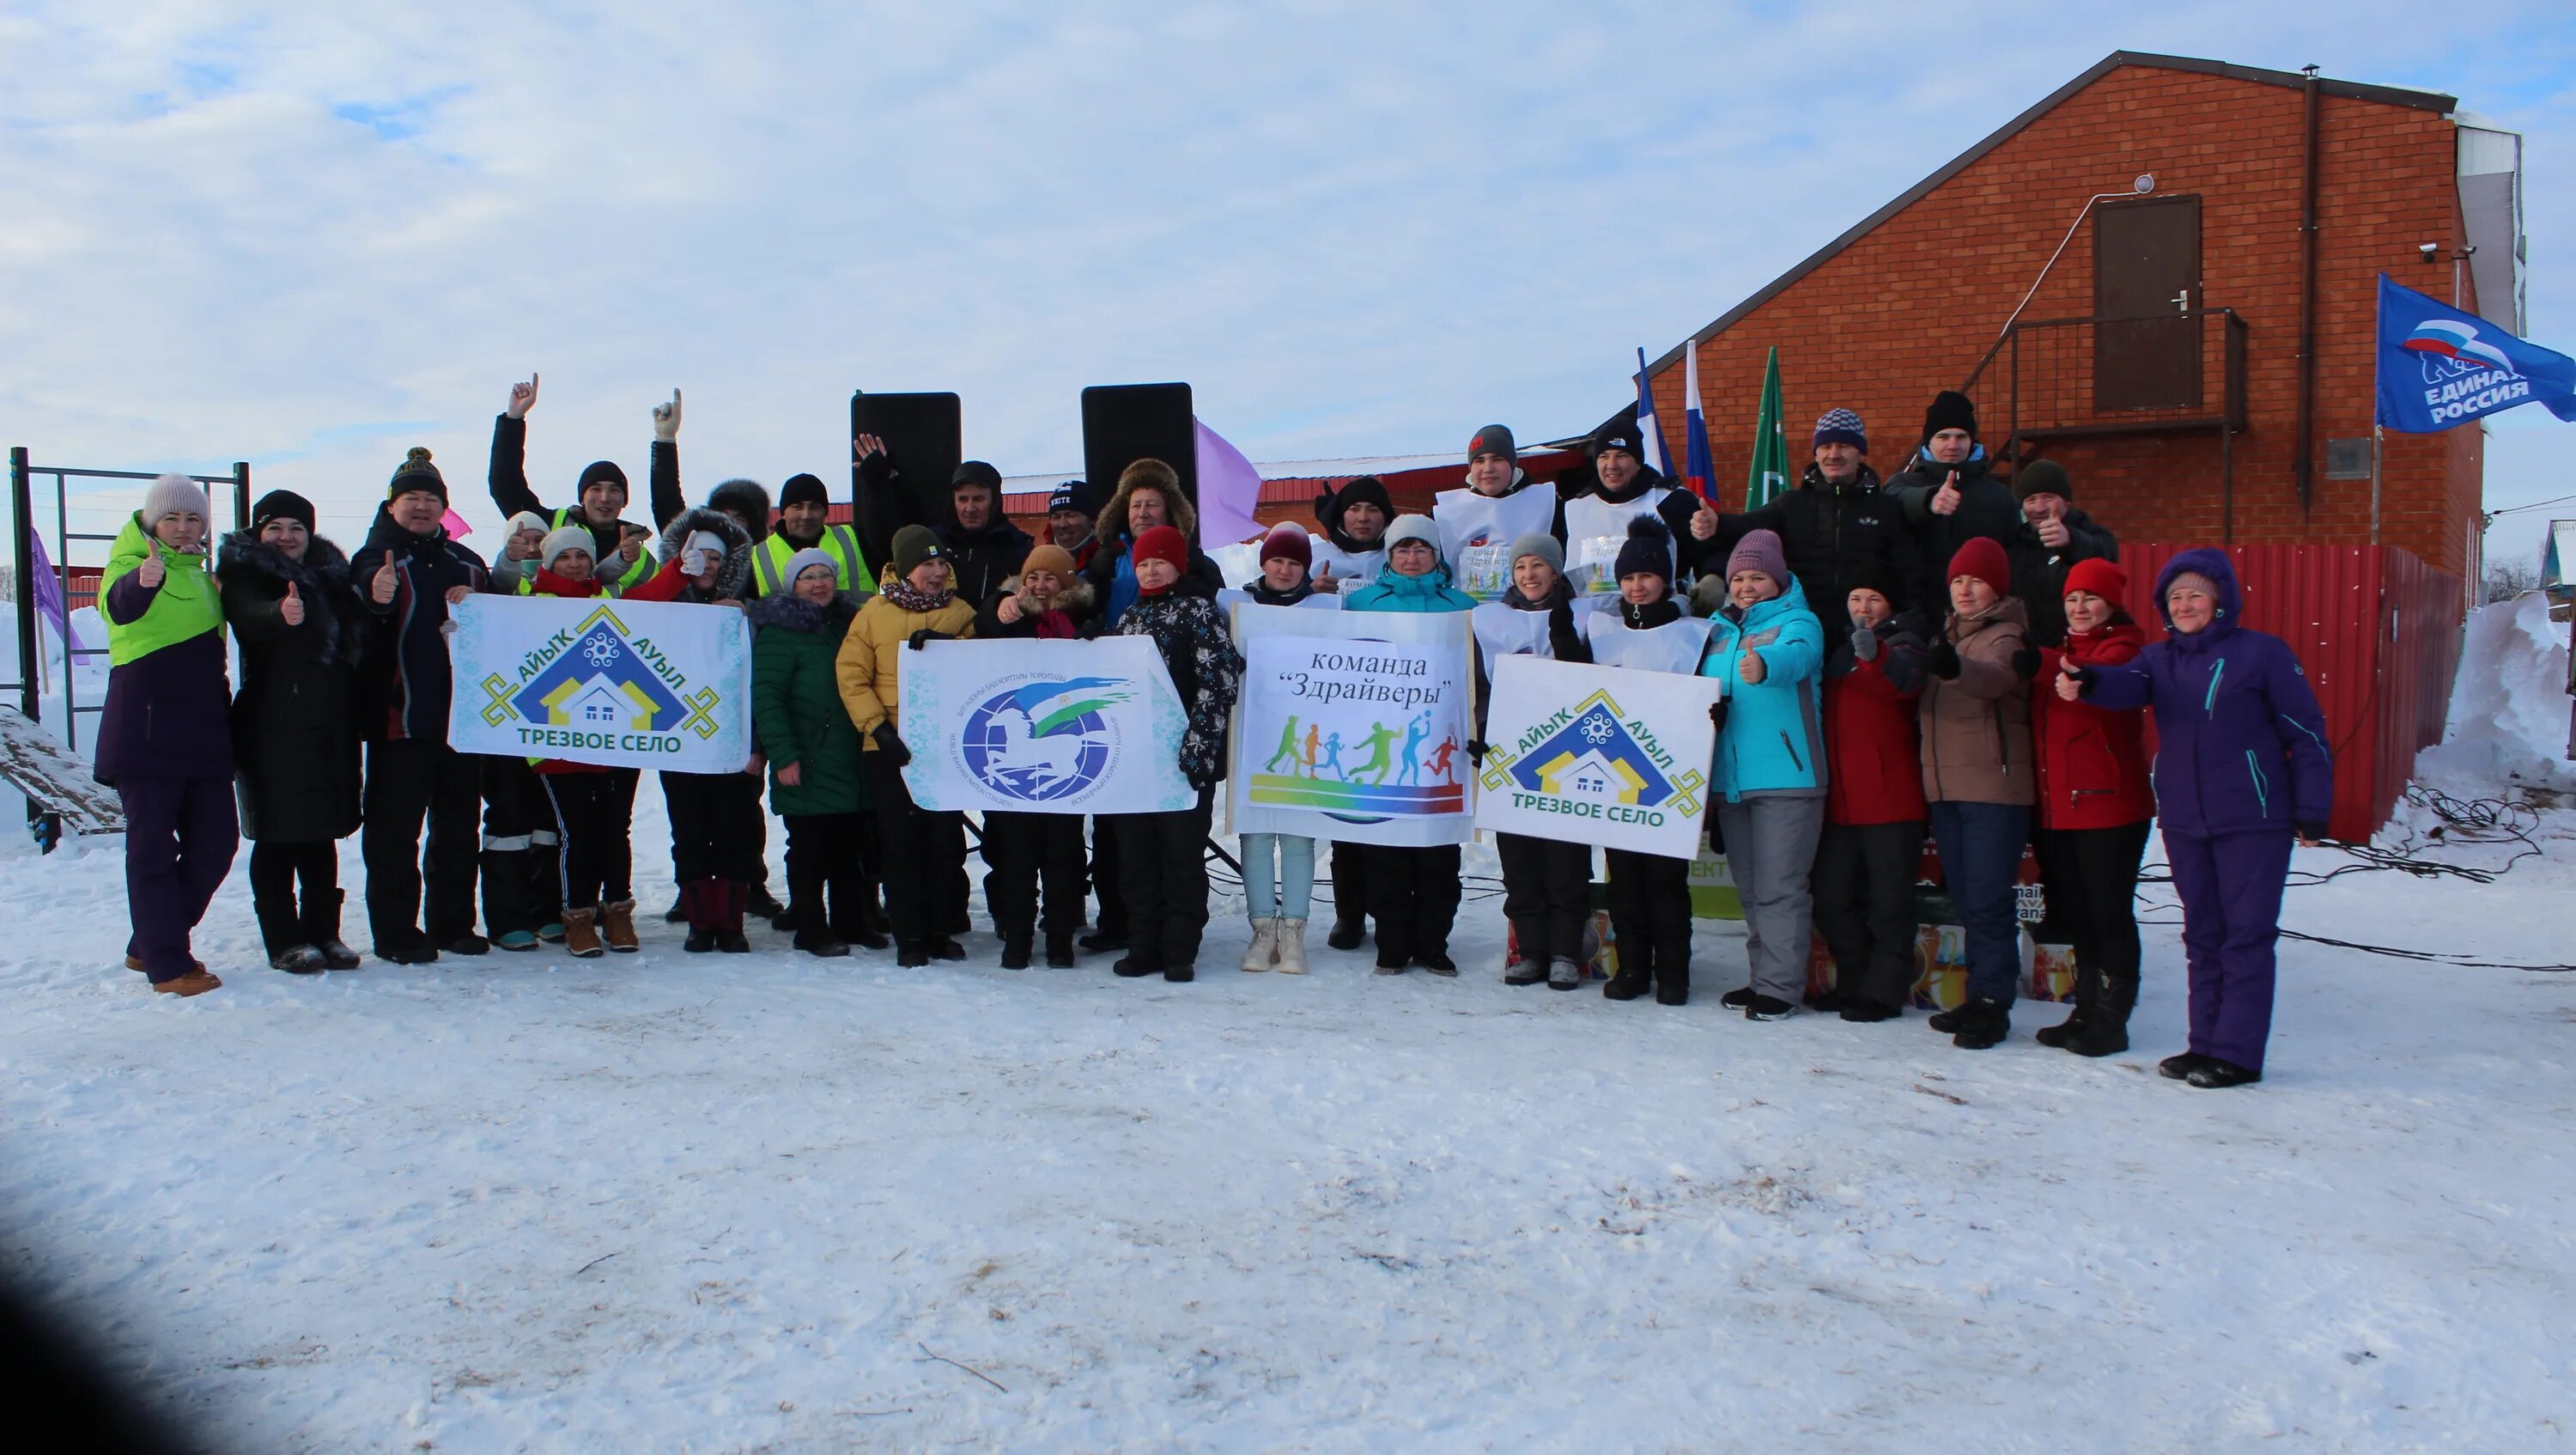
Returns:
(1594, 524)
(1499, 504)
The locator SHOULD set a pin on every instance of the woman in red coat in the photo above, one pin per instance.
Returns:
(1874, 813)
(2095, 808)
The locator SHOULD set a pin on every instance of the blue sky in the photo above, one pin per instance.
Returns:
(311, 235)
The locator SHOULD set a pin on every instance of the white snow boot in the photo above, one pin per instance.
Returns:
(1292, 946)
(1563, 975)
(1264, 948)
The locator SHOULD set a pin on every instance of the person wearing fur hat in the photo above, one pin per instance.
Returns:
(1497, 505)
(1950, 493)
(1036, 858)
(922, 853)
(1978, 780)
(1874, 812)
(2054, 537)
(297, 761)
(1836, 528)
(1647, 630)
(408, 574)
(2242, 771)
(2096, 807)
(1352, 549)
(600, 495)
(1162, 859)
(1279, 869)
(817, 781)
(1547, 883)
(165, 739)
(805, 524)
(1593, 520)
(716, 827)
(1412, 892)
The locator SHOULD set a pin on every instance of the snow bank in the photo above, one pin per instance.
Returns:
(2508, 717)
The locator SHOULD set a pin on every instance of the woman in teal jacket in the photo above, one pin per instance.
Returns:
(1769, 777)
(1413, 892)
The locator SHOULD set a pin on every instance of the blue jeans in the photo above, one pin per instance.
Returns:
(1291, 893)
(1981, 858)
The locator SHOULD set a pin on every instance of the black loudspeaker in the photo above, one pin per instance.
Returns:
(921, 433)
(1124, 423)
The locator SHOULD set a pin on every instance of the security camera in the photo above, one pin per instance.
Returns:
(2429, 250)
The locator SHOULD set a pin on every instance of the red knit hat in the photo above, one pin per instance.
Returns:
(1287, 540)
(2103, 578)
(1984, 559)
(1162, 543)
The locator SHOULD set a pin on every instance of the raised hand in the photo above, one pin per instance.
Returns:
(1325, 582)
(2070, 688)
(151, 572)
(666, 419)
(1750, 669)
(1008, 612)
(523, 397)
(1945, 501)
(382, 587)
(291, 610)
(1704, 522)
(2052, 532)
(866, 445)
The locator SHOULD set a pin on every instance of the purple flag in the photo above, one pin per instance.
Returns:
(47, 590)
(1229, 491)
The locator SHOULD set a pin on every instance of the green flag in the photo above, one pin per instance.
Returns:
(1769, 474)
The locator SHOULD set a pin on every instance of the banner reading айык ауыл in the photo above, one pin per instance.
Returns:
(1598, 755)
(625, 684)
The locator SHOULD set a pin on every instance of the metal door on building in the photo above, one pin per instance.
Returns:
(2146, 295)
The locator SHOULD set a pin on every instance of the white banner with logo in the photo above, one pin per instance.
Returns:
(626, 684)
(1598, 755)
(1353, 726)
(1028, 726)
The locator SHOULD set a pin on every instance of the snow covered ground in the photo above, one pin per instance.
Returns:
(750, 1203)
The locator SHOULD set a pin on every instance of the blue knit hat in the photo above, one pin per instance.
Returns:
(1841, 427)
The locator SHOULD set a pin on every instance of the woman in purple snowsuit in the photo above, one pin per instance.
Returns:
(2242, 770)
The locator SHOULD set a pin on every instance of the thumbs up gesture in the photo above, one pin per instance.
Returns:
(382, 588)
(2070, 684)
(1945, 501)
(291, 610)
(151, 571)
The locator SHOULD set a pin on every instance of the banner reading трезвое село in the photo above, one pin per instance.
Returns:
(624, 684)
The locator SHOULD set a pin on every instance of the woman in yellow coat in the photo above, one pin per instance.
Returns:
(924, 853)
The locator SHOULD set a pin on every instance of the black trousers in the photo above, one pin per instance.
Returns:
(409, 783)
(759, 832)
(1650, 911)
(522, 850)
(274, 870)
(1413, 896)
(920, 852)
(1350, 884)
(832, 873)
(1162, 869)
(716, 831)
(1547, 894)
(591, 813)
(1864, 906)
(1025, 853)
(2090, 879)
(1104, 878)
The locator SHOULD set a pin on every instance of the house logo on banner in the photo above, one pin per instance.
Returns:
(1589, 762)
(1043, 738)
(594, 688)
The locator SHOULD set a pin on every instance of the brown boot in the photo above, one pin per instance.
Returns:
(581, 936)
(195, 982)
(617, 927)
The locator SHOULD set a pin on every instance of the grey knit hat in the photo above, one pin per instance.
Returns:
(811, 556)
(566, 538)
(1542, 545)
(1413, 528)
(173, 495)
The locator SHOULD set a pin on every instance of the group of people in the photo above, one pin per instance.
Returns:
(1944, 653)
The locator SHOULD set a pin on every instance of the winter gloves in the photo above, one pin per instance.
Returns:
(2025, 663)
(1477, 748)
(1944, 661)
(927, 635)
(1864, 643)
(890, 743)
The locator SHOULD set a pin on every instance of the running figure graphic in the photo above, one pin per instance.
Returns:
(1333, 758)
(1287, 750)
(1441, 755)
(1414, 732)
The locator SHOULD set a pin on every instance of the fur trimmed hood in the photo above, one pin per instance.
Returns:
(321, 580)
(733, 578)
(1112, 523)
(750, 499)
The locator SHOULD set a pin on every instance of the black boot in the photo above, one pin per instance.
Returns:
(1059, 949)
(1103, 940)
(733, 899)
(813, 935)
(322, 929)
(1350, 929)
(766, 905)
(2069, 1033)
(1015, 949)
(1624, 986)
(678, 913)
(282, 935)
(2106, 1023)
(1738, 998)
(2180, 1067)
(699, 901)
(911, 955)
(1981, 1023)
(2212, 1072)
(1865, 1011)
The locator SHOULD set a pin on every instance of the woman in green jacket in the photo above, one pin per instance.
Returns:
(815, 783)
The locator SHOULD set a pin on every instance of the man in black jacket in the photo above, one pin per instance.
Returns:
(408, 574)
(2053, 537)
(1951, 493)
(1836, 528)
(984, 549)
(624, 553)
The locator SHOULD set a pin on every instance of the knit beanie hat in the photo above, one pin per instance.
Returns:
(806, 559)
(1649, 548)
(1984, 559)
(1760, 551)
(1493, 439)
(601, 472)
(803, 490)
(1052, 559)
(528, 520)
(913, 545)
(1163, 543)
(975, 472)
(1841, 427)
(1072, 495)
(1359, 489)
(1542, 545)
(2042, 477)
(1413, 528)
(1288, 540)
(2100, 577)
(566, 538)
(2195, 580)
(1619, 434)
(282, 505)
(171, 495)
(1873, 576)
(417, 473)
(1950, 409)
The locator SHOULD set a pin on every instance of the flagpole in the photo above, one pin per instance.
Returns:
(2374, 479)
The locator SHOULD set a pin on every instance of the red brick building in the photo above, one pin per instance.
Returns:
(2160, 358)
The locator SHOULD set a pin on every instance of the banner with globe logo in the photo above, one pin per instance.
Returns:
(1042, 727)
(624, 684)
(1585, 754)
